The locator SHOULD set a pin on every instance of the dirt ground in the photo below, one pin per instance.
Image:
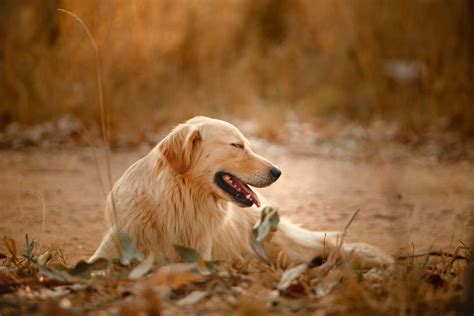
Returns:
(415, 202)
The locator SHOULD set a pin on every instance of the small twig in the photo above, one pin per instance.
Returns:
(346, 228)
(324, 245)
(434, 254)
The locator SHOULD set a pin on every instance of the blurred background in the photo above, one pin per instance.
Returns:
(408, 63)
(364, 104)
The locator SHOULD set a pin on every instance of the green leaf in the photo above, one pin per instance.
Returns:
(268, 222)
(83, 269)
(45, 257)
(259, 250)
(58, 267)
(129, 251)
(188, 255)
(274, 220)
(29, 247)
(290, 275)
(262, 231)
(212, 265)
(142, 268)
(56, 274)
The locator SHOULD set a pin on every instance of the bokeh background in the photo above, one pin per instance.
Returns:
(407, 61)
(364, 104)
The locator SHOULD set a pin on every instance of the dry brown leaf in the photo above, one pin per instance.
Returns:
(142, 268)
(193, 298)
(290, 275)
(11, 246)
(175, 275)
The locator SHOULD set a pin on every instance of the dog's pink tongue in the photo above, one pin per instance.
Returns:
(247, 191)
(254, 197)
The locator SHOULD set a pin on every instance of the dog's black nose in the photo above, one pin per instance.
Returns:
(276, 173)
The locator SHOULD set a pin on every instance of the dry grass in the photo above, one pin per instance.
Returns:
(428, 285)
(168, 60)
(434, 283)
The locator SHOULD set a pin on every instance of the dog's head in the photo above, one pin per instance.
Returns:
(218, 157)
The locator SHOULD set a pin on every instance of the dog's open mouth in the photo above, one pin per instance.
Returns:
(236, 188)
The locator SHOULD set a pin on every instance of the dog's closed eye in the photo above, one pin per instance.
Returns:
(240, 146)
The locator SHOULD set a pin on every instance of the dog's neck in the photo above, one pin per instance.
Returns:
(174, 207)
(191, 215)
(193, 197)
(187, 196)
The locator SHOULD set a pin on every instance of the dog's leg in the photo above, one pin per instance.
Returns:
(300, 245)
(108, 247)
(290, 243)
(367, 254)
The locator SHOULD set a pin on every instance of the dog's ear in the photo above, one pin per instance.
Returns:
(180, 146)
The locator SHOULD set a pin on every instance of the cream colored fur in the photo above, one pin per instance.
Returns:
(170, 197)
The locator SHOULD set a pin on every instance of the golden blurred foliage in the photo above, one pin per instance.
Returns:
(162, 60)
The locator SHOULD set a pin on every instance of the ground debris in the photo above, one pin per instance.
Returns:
(251, 287)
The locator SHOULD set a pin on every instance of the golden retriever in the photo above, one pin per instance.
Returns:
(193, 189)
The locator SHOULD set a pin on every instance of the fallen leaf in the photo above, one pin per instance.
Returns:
(83, 269)
(330, 281)
(259, 250)
(175, 275)
(10, 245)
(142, 268)
(192, 298)
(295, 290)
(212, 265)
(188, 255)
(129, 251)
(45, 257)
(268, 222)
(290, 275)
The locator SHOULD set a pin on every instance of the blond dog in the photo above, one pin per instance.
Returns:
(193, 190)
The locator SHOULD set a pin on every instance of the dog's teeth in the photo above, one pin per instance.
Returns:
(248, 196)
(226, 177)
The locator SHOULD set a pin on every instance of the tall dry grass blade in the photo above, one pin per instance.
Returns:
(43, 220)
(339, 245)
(335, 253)
(96, 157)
(346, 228)
(103, 115)
(103, 112)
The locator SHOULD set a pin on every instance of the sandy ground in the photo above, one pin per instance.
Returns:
(414, 202)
